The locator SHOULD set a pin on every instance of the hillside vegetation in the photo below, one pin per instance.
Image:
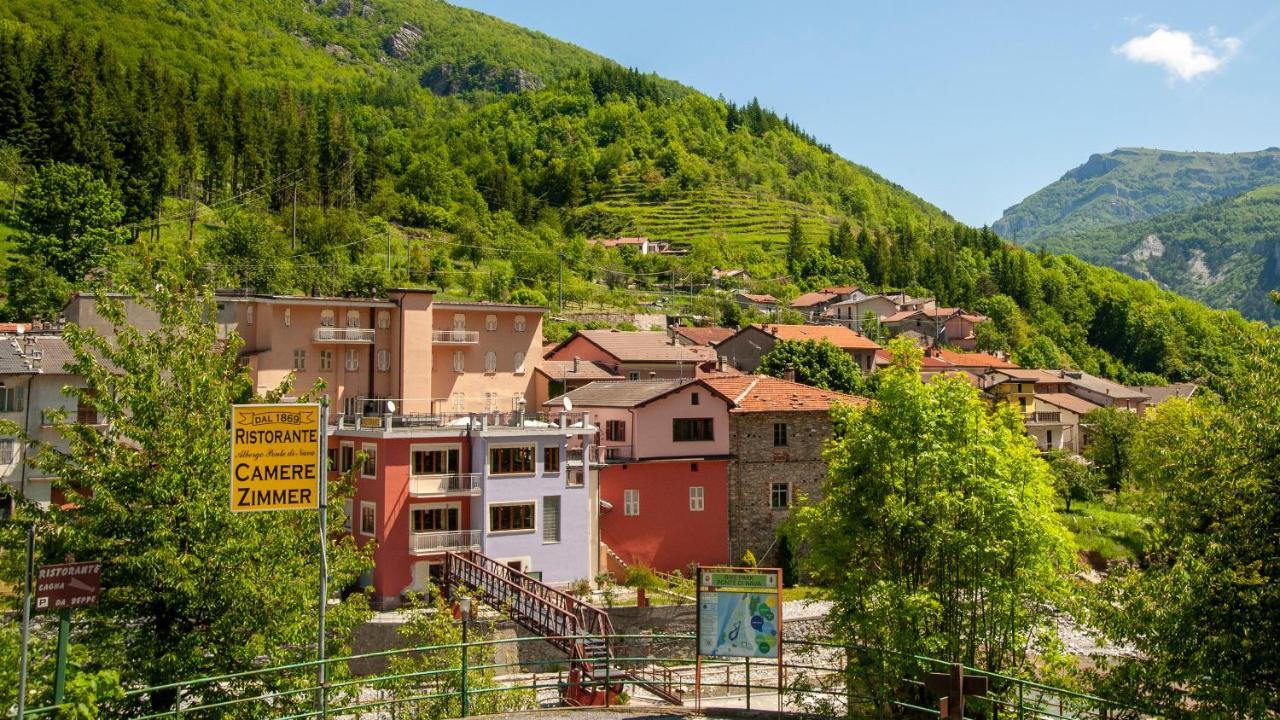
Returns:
(1131, 184)
(489, 188)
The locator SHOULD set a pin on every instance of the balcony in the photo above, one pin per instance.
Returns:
(358, 336)
(1043, 418)
(455, 337)
(448, 484)
(433, 542)
(603, 454)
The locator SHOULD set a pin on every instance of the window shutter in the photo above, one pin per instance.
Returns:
(551, 518)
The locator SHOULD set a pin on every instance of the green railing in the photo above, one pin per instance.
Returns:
(817, 678)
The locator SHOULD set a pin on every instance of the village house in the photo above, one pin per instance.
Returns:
(1097, 390)
(766, 304)
(812, 305)
(556, 377)
(746, 347)
(662, 452)
(640, 355)
(1070, 410)
(853, 312)
(709, 336)
(777, 430)
(951, 326)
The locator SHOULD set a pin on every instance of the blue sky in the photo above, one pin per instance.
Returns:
(973, 106)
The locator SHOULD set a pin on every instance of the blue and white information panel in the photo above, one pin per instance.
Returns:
(739, 612)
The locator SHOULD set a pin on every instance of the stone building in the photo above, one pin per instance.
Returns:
(777, 430)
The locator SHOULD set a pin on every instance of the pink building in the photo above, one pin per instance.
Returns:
(638, 355)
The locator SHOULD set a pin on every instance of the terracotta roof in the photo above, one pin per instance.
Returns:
(1100, 385)
(899, 316)
(1160, 393)
(844, 290)
(933, 363)
(587, 370)
(763, 299)
(945, 311)
(644, 346)
(965, 375)
(761, 393)
(883, 357)
(704, 335)
(974, 359)
(1066, 401)
(14, 327)
(813, 298)
(838, 335)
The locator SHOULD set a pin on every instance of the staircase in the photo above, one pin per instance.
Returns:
(581, 631)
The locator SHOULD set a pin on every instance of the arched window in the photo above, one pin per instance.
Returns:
(353, 318)
(384, 360)
(384, 319)
(326, 318)
(248, 314)
(518, 321)
(491, 362)
(459, 321)
(490, 322)
(288, 317)
(459, 361)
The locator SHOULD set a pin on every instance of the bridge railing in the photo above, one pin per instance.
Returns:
(817, 678)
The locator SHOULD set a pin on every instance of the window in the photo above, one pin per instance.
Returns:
(370, 467)
(459, 321)
(326, 359)
(491, 362)
(346, 514)
(459, 361)
(779, 434)
(384, 319)
(780, 496)
(248, 314)
(513, 517)
(697, 498)
(630, 502)
(490, 322)
(692, 430)
(368, 518)
(1048, 438)
(288, 320)
(353, 318)
(615, 430)
(353, 359)
(458, 400)
(693, 398)
(6, 450)
(551, 518)
(633, 375)
(346, 457)
(326, 318)
(384, 360)
(434, 518)
(517, 362)
(435, 462)
(551, 459)
(299, 359)
(331, 462)
(10, 399)
(490, 401)
(511, 460)
(518, 323)
(86, 413)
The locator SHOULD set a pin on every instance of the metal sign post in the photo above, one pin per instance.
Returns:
(322, 462)
(739, 614)
(26, 621)
(63, 587)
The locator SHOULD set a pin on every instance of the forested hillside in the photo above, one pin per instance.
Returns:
(1128, 185)
(303, 171)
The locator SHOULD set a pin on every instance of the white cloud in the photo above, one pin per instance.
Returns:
(1179, 53)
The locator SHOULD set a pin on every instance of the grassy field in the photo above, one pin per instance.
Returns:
(1114, 528)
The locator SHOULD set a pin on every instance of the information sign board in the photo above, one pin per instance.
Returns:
(68, 585)
(275, 457)
(739, 612)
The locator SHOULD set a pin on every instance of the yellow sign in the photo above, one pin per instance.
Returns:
(275, 457)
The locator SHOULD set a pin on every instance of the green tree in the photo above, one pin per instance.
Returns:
(190, 588)
(250, 254)
(67, 216)
(1072, 479)
(527, 296)
(1204, 615)
(35, 291)
(1109, 447)
(816, 363)
(797, 251)
(13, 168)
(936, 532)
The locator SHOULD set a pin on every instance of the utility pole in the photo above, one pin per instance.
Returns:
(388, 250)
(560, 257)
(293, 244)
(191, 222)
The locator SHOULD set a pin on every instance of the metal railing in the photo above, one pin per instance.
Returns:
(1043, 417)
(343, 335)
(430, 542)
(455, 337)
(443, 484)
(822, 679)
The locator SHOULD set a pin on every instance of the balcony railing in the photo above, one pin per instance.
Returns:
(604, 454)
(465, 483)
(455, 337)
(343, 335)
(1043, 418)
(431, 542)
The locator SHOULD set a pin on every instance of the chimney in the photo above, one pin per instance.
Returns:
(789, 374)
(720, 363)
(576, 360)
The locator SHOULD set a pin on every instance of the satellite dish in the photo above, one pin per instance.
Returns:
(391, 407)
(21, 329)
(568, 404)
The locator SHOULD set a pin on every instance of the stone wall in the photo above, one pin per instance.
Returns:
(753, 524)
